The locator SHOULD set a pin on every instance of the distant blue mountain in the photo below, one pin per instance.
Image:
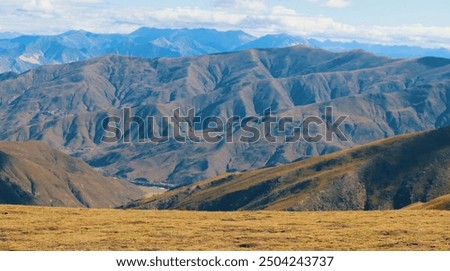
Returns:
(9, 35)
(379, 49)
(21, 53)
(274, 41)
(192, 41)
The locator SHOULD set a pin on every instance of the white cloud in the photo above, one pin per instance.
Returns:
(251, 6)
(87, 1)
(283, 10)
(39, 5)
(336, 3)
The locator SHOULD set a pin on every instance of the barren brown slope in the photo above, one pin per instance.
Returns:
(33, 173)
(388, 174)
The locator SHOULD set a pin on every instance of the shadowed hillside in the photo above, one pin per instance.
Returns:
(31, 173)
(388, 174)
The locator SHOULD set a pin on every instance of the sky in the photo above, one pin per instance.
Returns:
(413, 22)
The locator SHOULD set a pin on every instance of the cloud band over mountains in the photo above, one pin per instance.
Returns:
(257, 17)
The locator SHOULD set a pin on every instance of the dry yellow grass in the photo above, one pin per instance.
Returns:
(43, 228)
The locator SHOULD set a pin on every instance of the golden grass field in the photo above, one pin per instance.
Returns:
(44, 228)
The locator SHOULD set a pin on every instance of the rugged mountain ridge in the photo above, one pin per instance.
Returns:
(21, 53)
(388, 174)
(32, 173)
(64, 105)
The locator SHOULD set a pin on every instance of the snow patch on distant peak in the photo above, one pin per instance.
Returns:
(33, 59)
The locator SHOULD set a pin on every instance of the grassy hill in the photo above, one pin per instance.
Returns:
(387, 174)
(43, 228)
(440, 203)
(35, 174)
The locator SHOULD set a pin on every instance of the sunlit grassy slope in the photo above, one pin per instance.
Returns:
(43, 228)
(387, 174)
(33, 173)
(440, 203)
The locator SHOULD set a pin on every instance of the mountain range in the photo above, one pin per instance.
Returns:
(388, 174)
(19, 53)
(65, 105)
(32, 173)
